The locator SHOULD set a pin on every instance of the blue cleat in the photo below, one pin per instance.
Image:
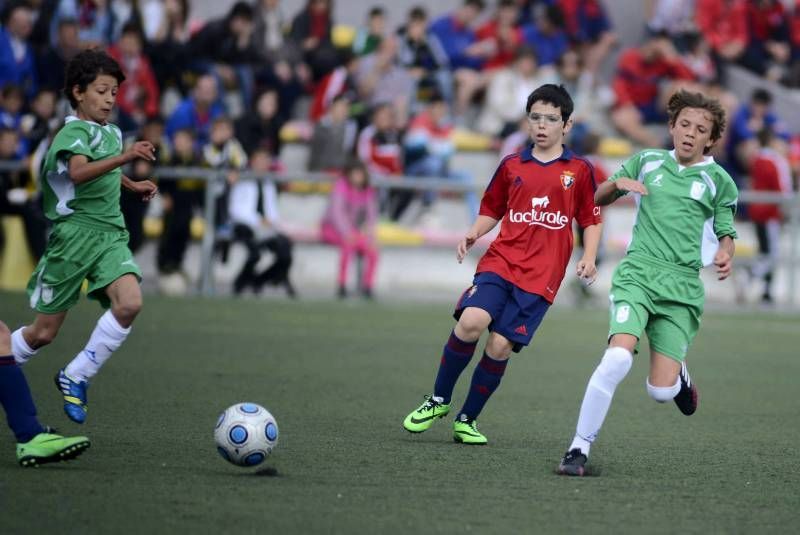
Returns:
(74, 393)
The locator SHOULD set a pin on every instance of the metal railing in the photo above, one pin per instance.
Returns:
(218, 176)
(790, 205)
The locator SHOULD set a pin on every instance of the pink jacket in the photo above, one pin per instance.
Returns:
(351, 209)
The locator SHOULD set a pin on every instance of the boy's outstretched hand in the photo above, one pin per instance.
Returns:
(630, 185)
(146, 188)
(141, 149)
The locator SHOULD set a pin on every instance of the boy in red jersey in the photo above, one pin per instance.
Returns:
(537, 193)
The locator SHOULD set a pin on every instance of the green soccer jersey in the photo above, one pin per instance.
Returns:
(686, 211)
(95, 202)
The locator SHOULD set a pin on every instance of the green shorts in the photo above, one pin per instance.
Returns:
(663, 300)
(74, 253)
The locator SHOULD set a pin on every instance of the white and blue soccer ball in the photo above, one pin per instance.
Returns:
(245, 434)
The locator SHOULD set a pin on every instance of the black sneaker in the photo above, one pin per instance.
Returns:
(573, 463)
(687, 397)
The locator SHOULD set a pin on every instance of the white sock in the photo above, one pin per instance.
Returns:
(662, 394)
(20, 349)
(610, 372)
(107, 336)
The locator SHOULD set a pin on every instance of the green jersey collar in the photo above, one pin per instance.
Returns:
(71, 118)
(707, 160)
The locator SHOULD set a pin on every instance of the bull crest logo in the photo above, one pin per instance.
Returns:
(567, 180)
(540, 202)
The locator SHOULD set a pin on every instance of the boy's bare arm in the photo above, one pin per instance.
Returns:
(587, 265)
(724, 257)
(608, 190)
(82, 170)
(482, 225)
(146, 188)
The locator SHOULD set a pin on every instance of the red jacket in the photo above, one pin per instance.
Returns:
(505, 51)
(636, 81)
(140, 90)
(722, 21)
(767, 22)
(769, 172)
(381, 152)
(331, 86)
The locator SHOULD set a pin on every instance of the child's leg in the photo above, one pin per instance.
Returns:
(663, 382)
(370, 255)
(487, 375)
(458, 350)
(346, 251)
(26, 341)
(15, 396)
(111, 330)
(613, 368)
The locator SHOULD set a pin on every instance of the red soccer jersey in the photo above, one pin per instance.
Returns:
(537, 203)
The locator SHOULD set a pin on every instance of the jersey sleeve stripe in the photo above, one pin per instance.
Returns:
(591, 171)
(500, 166)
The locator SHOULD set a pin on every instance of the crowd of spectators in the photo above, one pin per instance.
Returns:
(214, 93)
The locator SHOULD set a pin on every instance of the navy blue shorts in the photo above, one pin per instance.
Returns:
(516, 314)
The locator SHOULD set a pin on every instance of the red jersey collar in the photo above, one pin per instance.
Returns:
(526, 155)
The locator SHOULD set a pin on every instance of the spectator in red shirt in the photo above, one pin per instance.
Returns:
(429, 148)
(640, 74)
(769, 171)
(536, 193)
(768, 49)
(724, 25)
(793, 77)
(380, 149)
(138, 100)
(502, 35)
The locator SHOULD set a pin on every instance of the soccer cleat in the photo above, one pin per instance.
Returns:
(466, 431)
(573, 463)
(422, 418)
(49, 448)
(74, 393)
(687, 397)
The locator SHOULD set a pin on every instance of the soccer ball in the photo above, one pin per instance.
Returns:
(245, 434)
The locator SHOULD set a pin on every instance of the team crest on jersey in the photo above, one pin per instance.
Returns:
(698, 188)
(623, 313)
(567, 179)
(47, 294)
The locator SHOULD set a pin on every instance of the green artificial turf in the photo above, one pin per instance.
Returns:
(340, 378)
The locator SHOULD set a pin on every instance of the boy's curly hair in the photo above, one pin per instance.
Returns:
(84, 69)
(686, 99)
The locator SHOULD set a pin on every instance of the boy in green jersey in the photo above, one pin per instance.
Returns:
(685, 210)
(81, 180)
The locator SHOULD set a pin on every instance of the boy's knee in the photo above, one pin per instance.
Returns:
(616, 363)
(125, 311)
(470, 328)
(662, 394)
(499, 347)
